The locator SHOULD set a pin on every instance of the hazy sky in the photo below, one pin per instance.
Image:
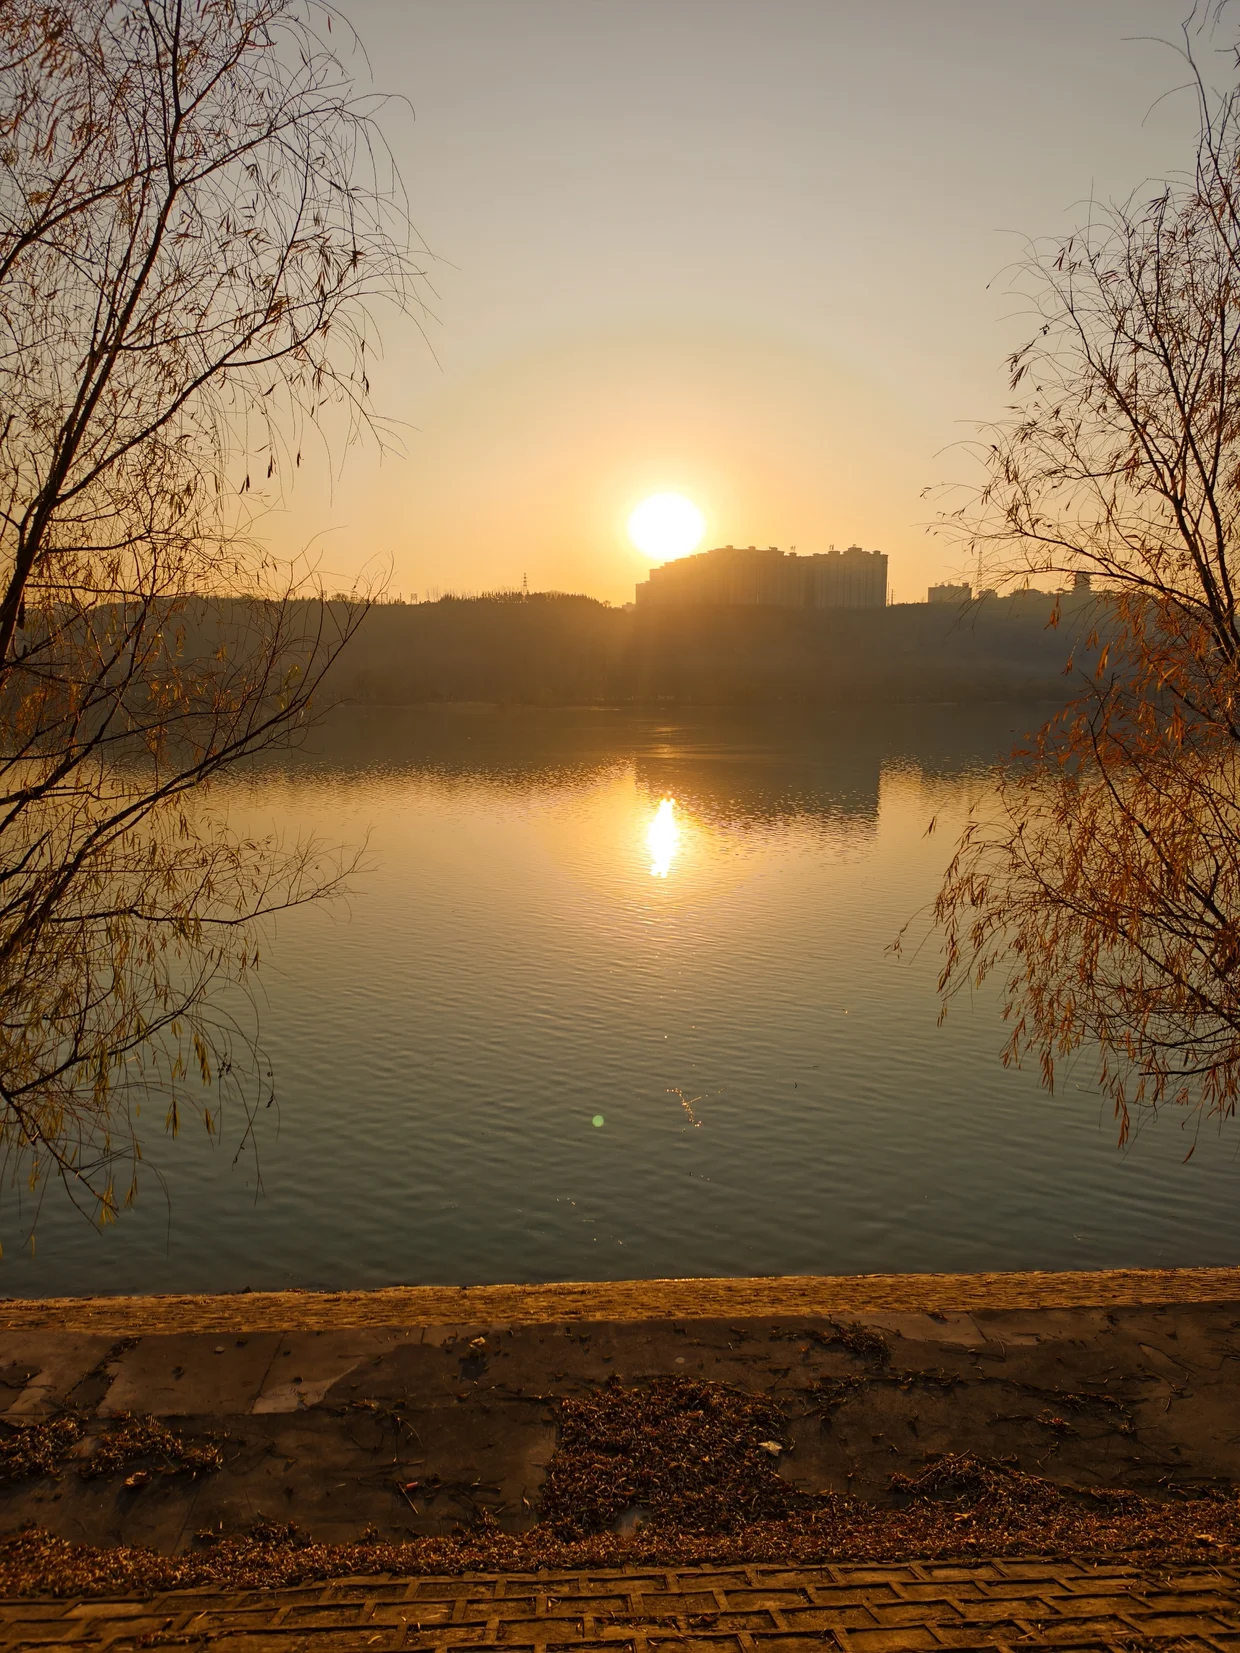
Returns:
(751, 250)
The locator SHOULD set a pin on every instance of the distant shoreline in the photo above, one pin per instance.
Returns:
(572, 651)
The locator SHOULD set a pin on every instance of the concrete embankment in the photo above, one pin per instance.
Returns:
(409, 1412)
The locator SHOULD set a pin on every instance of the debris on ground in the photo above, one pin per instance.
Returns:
(131, 1439)
(695, 1453)
(273, 1555)
(692, 1457)
(858, 1340)
(999, 1489)
(828, 1394)
(30, 1449)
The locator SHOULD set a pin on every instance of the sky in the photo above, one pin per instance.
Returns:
(758, 252)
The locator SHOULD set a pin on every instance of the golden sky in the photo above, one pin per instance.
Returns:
(752, 251)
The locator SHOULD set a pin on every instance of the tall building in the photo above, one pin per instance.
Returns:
(755, 574)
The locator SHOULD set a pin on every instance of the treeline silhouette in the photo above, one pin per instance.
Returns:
(555, 649)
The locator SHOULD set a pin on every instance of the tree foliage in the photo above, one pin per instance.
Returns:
(197, 216)
(1104, 883)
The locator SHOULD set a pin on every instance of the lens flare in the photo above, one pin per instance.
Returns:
(663, 838)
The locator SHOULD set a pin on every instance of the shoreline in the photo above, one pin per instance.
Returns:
(620, 1301)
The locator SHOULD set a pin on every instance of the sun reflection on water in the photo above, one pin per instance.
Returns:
(663, 838)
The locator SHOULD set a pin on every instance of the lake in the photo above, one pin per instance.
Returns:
(565, 1030)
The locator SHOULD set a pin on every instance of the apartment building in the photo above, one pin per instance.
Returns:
(766, 575)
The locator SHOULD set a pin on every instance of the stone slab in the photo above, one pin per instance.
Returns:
(189, 1374)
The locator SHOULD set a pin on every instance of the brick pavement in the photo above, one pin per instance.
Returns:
(868, 1609)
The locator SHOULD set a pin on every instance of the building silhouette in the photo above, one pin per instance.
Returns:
(949, 594)
(766, 575)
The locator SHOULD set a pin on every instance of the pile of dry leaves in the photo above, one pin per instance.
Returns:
(700, 1462)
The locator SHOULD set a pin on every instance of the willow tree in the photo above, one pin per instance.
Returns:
(196, 218)
(1104, 885)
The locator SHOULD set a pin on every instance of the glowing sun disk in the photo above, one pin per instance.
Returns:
(666, 526)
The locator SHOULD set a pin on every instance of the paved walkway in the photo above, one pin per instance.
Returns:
(1016, 1604)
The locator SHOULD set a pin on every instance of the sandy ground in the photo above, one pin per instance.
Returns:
(793, 1294)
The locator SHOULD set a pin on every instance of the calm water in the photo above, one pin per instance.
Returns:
(544, 1041)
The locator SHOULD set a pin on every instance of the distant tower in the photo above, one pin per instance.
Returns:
(525, 587)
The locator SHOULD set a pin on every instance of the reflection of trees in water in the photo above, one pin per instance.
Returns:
(756, 768)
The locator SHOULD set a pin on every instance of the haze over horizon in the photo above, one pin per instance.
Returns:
(751, 255)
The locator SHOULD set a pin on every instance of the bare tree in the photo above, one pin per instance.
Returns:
(197, 215)
(1104, 882)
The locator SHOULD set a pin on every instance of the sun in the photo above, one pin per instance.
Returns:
(666, 526)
